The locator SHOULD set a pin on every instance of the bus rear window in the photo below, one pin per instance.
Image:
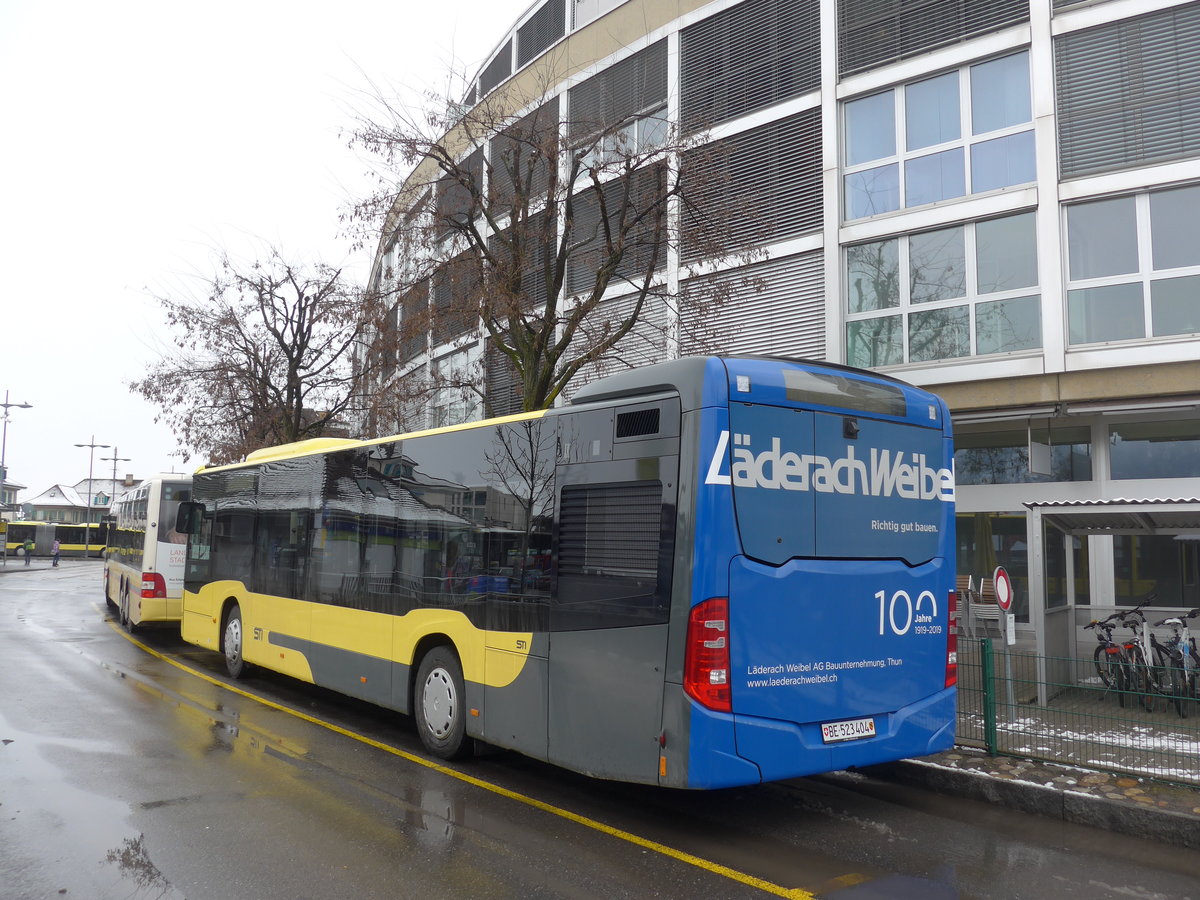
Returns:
(825, 485)
(828, 389)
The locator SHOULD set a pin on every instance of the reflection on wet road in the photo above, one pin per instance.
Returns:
(136, 770)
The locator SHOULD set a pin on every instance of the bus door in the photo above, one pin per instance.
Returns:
(617, 483)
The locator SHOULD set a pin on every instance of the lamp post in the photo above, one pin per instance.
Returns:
(114, 459)
(87, 521)
(4, 443)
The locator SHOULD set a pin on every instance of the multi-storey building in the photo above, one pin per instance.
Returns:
(999, 201)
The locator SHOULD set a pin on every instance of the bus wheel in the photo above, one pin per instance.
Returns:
(123, 610)
(438, 705)
(232, 644)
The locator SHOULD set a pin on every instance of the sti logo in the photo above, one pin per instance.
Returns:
(886, 475)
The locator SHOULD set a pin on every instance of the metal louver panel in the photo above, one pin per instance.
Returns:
(748, 57)
(646, 202)
(542, 29)
(646, 343)
(1129, 92)
(453, 201)
(522, 155)
(786, 317)
(504, 394)
(761, 185)
(537, 244)
(875, 32)
(413, 319)
(497, 70)
(610, 529)
(635, 84)
(455, 297)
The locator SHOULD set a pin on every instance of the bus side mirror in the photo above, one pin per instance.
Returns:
(187, 520)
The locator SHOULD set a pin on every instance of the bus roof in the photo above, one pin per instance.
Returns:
(316, 446)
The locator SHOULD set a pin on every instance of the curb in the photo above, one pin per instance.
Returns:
(1077, 807)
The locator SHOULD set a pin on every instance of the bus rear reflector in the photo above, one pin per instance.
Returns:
(706, 657)
(952, 642)
(154, 586)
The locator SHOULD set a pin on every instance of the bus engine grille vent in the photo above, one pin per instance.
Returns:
(638, 423)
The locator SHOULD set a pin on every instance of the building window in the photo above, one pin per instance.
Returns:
(963, 132)
(989, 539)
(1162, 563)
(1155, 450)
(611, 101)
(454, 400)
(1133, 267)
(1002, 457)
(959, 291)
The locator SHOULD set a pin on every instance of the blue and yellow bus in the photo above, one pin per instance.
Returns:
(703, 573)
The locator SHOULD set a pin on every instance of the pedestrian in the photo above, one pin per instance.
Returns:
(54, 551)
(28, 546)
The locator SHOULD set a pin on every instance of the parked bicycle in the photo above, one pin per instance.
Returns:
(1145, 658)
(1183, 660)
(1111, 657)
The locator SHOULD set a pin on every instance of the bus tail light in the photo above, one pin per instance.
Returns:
(706, 658)
(154, 586)
(952, 641)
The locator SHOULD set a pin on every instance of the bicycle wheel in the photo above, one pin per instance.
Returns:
(1142, 679)
(1121, 668)
(1104, 666)
(1179, 691)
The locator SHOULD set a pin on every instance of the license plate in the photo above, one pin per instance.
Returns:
(850, 730)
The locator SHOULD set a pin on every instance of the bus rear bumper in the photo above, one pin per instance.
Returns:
(788, 750)
(747, 749)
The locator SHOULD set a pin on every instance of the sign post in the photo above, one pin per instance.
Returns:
(1004, 598)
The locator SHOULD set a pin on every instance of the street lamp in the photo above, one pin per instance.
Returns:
(87, 521)
(4, 443)
(114, 459)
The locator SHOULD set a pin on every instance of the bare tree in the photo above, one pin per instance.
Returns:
(264, 357)
(526, 227)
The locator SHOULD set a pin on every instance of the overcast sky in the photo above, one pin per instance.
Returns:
(143, 138)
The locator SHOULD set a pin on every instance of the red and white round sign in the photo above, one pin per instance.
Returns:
(1004, 588)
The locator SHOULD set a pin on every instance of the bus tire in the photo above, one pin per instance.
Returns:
(232, 642)
(126, 622)
(439, 704)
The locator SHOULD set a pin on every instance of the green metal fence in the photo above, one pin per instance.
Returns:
(1081, 722)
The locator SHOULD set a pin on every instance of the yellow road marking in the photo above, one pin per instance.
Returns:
(646, 843)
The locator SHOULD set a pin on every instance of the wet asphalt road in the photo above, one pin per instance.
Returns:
(142, 772)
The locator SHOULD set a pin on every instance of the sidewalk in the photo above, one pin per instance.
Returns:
(41, 563)
(1121, 803)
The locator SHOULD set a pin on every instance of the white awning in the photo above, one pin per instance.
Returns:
(1150, 516)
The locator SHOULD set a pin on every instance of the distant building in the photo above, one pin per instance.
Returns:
(69, 503)
(8, 498)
